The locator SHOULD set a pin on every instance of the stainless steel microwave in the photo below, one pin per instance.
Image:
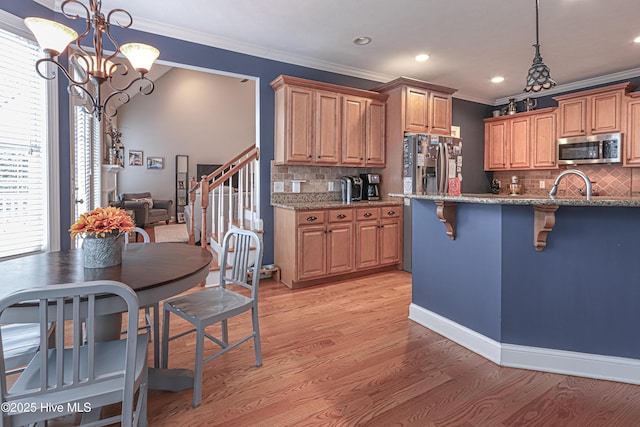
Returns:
(605, 148)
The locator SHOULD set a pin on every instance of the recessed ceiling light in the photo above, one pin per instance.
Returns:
(497, 79)
(362, 40)
(422, 57)
(637, 39)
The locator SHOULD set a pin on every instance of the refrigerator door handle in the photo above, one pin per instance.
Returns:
(444, 164)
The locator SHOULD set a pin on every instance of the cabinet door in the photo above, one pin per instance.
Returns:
(312, 247)
(605, 112)
(440, 117)
(573, 117)
(416, 110)
(299, 140)
(340, 248)
(367, 244)
(632, 137)
(390, 241)
(519, 148)
(327, 127)
(353, 130)
(375, 145)
(496, 148)
(543, 140)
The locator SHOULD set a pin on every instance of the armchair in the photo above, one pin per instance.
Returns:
(148, 210)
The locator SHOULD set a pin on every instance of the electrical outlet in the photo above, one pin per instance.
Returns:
(330, 185)
(278, 187)
(542, 183)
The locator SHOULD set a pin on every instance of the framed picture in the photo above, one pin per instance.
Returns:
(135, 157)
(181, 185)
(182, 201)
(155, 162)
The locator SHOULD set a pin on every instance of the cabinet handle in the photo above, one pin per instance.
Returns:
(391, 213)
(310, 156)
(329, 231)
(342, 216)
(367, 215)
(311, 218)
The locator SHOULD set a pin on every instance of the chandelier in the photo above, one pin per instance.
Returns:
(539, 76)
(88, 70)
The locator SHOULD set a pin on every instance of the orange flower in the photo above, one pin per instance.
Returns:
(101, 221)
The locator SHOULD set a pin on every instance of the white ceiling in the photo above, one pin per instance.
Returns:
(469, 41)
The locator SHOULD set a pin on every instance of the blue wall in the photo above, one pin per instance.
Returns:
(581, 293)
(459, 279)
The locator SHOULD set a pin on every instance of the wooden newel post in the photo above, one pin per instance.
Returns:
(204, 203)
(192, 210)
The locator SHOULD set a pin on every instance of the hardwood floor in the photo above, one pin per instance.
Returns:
(346, 354)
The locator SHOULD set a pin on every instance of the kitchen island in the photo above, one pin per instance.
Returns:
(568, 303)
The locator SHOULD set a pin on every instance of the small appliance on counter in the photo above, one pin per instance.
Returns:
(351, 188)
(370, 183)
(514, 187)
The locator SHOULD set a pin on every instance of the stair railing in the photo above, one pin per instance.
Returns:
(244, 165)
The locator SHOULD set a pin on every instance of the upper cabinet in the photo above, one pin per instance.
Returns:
(632, 131)
(325, 124)
(591, 112)
(521, 141)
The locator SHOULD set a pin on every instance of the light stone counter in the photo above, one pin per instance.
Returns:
(330, 204)
(503, 199)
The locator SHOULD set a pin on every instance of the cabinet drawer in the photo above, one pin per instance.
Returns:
(311, 217)
(367, 213)
(340, 215)
(390, 211)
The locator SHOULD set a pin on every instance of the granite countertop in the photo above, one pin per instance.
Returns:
(504, 199)
(328, 204)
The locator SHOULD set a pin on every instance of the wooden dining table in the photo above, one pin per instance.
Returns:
(155, 271)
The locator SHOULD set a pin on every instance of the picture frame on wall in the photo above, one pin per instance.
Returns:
(135, 157)
(155, 162)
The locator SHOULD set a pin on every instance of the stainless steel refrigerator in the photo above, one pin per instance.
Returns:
(431, 163)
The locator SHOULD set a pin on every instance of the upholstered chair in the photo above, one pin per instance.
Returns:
(147, 209)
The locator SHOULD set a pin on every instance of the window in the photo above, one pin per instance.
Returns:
(25, 187)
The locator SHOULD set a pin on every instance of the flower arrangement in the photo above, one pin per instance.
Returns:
(102, 221)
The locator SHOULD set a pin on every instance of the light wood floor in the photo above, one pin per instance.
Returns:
(346, 354)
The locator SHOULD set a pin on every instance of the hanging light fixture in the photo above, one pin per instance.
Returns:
(89, 70)
(539, 76)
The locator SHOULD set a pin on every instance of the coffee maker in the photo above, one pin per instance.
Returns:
(370, 186)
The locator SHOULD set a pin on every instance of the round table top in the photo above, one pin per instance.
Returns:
(154, 270)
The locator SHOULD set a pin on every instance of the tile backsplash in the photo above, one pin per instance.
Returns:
(608, 180)
(315, 179)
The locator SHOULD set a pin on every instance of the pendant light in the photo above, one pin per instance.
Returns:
(539, 76)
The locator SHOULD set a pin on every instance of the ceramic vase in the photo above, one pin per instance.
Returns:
(100, 252)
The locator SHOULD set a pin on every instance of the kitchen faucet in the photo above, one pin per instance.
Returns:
(581, 174)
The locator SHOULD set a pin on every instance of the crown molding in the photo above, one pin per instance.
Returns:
(476, 99)
(581, 84)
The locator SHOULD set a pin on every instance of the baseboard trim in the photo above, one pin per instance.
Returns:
(474, 341)
(587, 365)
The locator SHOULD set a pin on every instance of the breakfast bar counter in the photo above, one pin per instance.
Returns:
(573, 307)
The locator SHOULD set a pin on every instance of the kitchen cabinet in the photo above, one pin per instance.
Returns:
(378, 240)
(319, 245)
(324, 124)
(591, 112)
(521, 141)
(375, 152)
(632, 133)
(427, 111)
(543, 140)
(353, 130)
(412, 106)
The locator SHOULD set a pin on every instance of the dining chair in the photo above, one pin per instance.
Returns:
(151, 324)
(20, 342)
(85, 375)
(216, 305)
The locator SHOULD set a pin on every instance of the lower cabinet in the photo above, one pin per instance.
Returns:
(315, 246)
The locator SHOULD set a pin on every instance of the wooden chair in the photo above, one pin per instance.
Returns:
(216, 305)
(151, 324)
(83, 376)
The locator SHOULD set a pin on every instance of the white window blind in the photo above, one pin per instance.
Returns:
(23, 149)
